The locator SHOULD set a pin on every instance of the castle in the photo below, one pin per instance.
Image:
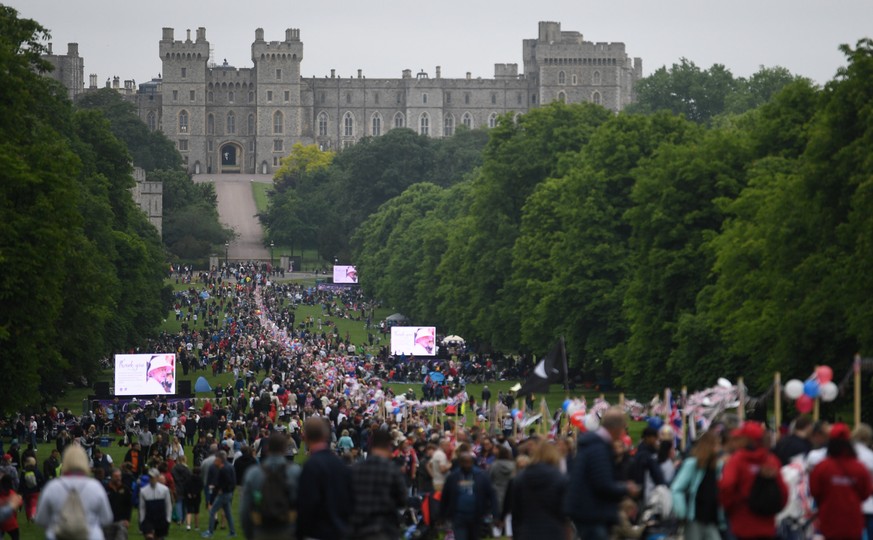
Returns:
(244, 120)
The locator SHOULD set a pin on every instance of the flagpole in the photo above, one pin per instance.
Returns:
(683, 442)
(741, 394)
(564, 364)
(857, 375)
(777, 405)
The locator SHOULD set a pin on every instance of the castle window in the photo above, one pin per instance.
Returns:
(533, 98)
(231, 123)
(596, 78)
(210, 124)
(278, 145)
(175, 95)
(183, 145)
(230, 97)
(322, 125)
(467, 120)
(575, 80)
(151, 121)
(278, 121)
(251, 124)
(595, 98)
(209, 146)
(399, 97)
(562, 97)
(269, 95)
(494, 98)
(449, 125)
(519, 98)
(424, 98)
(492, 120)
(348, 97)
(448, 97)
(210, 96)
(348, 125)
(184, 72)
(562, 77)
(321, 98)
(287, 96)
(191, 95)
(466, 98)
(376, 128)
(278, 74)
(399, 121)
(275, 161)
(424, 124)
(251, 97)
(376, 98)
(183, 121)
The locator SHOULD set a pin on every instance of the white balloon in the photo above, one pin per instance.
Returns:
(724, 383)
(592, 422)
(793, 389)
(828, 391)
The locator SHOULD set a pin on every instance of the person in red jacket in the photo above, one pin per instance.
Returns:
(739, 474)
(840, 484)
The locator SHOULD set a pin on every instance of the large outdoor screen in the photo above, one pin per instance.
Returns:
(413, 340)
(345, 274)
(145, 374)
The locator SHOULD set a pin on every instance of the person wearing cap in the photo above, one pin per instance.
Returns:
(840, 484)
(751, 459)
(159, 376)
(75, 476)
(645, 470)
(155, 508)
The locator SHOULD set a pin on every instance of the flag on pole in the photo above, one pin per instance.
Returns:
(551, 369)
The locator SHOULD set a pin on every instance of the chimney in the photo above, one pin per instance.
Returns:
(72, 49)
(438, 72)
(116, 82)
(188, 35)
(201, 34)
(50, 47)
(469, 75)
(259, 34)
(332, 73)
(289, 34)
(167, 34)
(359, 73)
(93, 80)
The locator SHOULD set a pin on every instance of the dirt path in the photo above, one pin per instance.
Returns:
(237, 210)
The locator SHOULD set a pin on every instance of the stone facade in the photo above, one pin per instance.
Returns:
(149, 196)
(69, 69)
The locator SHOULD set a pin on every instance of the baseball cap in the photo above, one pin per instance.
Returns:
(840, 431)
(750, 430)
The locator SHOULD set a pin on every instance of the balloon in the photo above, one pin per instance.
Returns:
(566, 404)
(824, 373)
(724, 383)
(655, 422)
(577, 419)
(803, 404)
(829, 391)
(811, 388)
(793, 389)
(592, 422)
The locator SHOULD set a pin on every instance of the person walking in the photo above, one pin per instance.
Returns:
(155, 508)
(181, 476)
(695, 491)
(221, 486)
(268, 510)
(74, 479)
(379, 492)
(537, 495)
(593, 492)
(468, 500)
(840, 484)
(325, 500)
(121, 503)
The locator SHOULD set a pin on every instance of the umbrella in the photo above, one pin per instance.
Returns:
(397, 317)
(453, 339)
(437, 377)
(204, 295)
(202, 385)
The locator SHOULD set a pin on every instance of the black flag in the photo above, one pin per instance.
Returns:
(551, 369)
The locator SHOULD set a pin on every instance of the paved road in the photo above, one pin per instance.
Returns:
(237, 210)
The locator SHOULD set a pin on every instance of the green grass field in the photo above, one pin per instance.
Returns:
(260, 191)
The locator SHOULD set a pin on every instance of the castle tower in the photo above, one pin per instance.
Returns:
(68, 69)
(279, 114)
(184, 68)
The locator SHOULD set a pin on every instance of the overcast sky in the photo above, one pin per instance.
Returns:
(383, 37)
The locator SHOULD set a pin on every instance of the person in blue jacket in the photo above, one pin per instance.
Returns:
(594, 492)
(468, 499)
(695, 491)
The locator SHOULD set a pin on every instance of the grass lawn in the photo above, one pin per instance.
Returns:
(259, 191)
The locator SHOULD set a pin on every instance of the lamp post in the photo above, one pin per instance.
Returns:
(271, 255)
(226, 246)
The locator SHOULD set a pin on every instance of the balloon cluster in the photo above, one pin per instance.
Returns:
(576, 410)
(819, 385)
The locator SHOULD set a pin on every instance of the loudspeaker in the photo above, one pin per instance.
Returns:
(183, 388)
(101, 389)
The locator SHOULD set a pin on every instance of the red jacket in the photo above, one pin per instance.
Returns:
(735, 485)
(840, 486)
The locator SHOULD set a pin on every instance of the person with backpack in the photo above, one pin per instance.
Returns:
(379, 491)
(73, 506)
(840, 484)
(751, 489)
(31, 484)
(268, 507)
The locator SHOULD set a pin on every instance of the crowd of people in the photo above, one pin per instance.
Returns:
(380, 465)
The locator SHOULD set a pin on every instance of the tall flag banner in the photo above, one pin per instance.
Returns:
(551, 369)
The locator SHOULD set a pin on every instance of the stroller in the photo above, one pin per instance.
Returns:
(419, 517)
(658, 513)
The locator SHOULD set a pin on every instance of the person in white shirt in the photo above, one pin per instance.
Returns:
(440, 465)
(155, 508)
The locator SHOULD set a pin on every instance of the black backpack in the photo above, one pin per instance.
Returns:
(272, 505)
(765, 499)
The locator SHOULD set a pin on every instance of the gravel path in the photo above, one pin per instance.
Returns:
(237, 210)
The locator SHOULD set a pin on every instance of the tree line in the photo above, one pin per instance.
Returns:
(722, 227)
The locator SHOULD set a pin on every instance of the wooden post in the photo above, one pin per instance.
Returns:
(666, 405)
(857, 376)
(777, 406)
(543, 429)
(621, 400)
(684, 426)
(816, 407)
(741, 395)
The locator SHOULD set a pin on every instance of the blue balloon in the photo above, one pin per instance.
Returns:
(514, 412)
(566, 404)
(655, 422)
(811, 388)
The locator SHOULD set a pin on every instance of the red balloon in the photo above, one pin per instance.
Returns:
(824, 374)
(803, 404)
(578, 420)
